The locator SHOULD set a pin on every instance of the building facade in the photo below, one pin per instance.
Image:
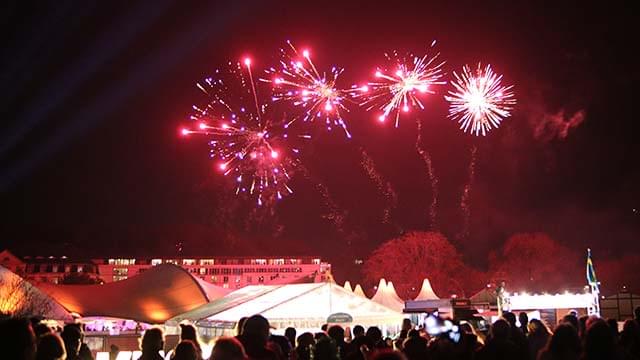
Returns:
(228, 272)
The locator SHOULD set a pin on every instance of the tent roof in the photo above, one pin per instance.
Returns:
(289, 303)
(347, 286)
(426, 292)
(152, 297)
(386, 295)
(485, 295)
(15, 290)
(358, 291)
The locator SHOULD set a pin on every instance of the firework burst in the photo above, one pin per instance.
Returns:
(248, 140)
(298, 80)
(479, 101)
(399, 87)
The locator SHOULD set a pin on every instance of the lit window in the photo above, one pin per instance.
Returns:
(261, 261)
(206, 262)
(316, 261)
(155, 262)
(188, 261)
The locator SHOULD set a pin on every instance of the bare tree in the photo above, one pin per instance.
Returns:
(407, 260)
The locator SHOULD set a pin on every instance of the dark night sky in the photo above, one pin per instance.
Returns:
(92, 96)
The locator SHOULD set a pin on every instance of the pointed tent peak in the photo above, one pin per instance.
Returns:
(392, 291)
(358, 291)
(347, 286)
(382, 284)
(426, 292)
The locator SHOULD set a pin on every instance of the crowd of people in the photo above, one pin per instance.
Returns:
(510, 337)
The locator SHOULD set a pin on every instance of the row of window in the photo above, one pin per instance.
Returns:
(57, 268)
(240, 271)
(279, 261)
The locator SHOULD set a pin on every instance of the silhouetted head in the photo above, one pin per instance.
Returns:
(72, 338)
(523, 318)
(537, 327)
(188, 332)
(186, 350)
(630, 335)
(636, 313)
(564, 341)
(336, 332)
(374, 334)
(282, 342)
(228, 348)
(358, 330)
(305, 340)
(50, 347)
(290, 334)
(599, 342)
(256, 328)
(406, 324)
(324, 327)
(413, 333)
(40, 329)
(415, 348)
(152, 341)
(613, 325)
(572, 320)
(240, 325)
(500, 329)
(510, 317)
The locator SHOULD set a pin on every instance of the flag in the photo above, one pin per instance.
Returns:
(591, 272)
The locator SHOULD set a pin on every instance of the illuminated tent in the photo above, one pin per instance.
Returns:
(347, 286)
(154, 296)
(19, 297)
(303, 306)
(386, 295)
(358, 291)
(426, 292)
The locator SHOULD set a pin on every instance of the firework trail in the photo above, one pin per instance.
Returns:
(335, 214)
(399, 86)
(298, 81)
(479, 101)
(384, 187)
(426, 158)
(248, 140)
(465, 204)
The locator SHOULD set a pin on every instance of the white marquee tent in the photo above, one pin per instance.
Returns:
(303, 306)
(426, 292)
(386, 295)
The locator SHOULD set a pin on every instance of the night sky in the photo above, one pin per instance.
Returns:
(93, 94)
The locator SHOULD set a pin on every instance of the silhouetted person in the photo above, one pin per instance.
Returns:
(326, 349)
(564, 344)
(582, 326)
(324, 327)
(17, 340)
(572, 320)
(228, 348)
(599, 342)
(188, 332)
(255, 335)
(498, 345)
(72, 338)
(613, 325)
(374, 334)
(630, 339)
(304, 346)
(186, 350)
(280, 344)
(517, 336)
(50, 347)
(415, 348)
(388, 354)
(84, 353)
(413, 333)
(240, 325)
(40, 329)
(336, 332)
(358, 330)
(290, 333)
(636, 314)
(113, 351)
(523, 318)
(538, 337)
(152, 343)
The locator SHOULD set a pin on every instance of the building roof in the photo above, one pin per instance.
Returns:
(153, 296)
(299, 305)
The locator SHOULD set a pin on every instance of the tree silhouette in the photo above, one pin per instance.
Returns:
(408, 259)
(534, 262)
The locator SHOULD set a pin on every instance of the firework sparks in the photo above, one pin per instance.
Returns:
(479, 101)
(383, 186)
(298, 80)
(248, 140)
(426, 158)
(399, 87)
(465, 199)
